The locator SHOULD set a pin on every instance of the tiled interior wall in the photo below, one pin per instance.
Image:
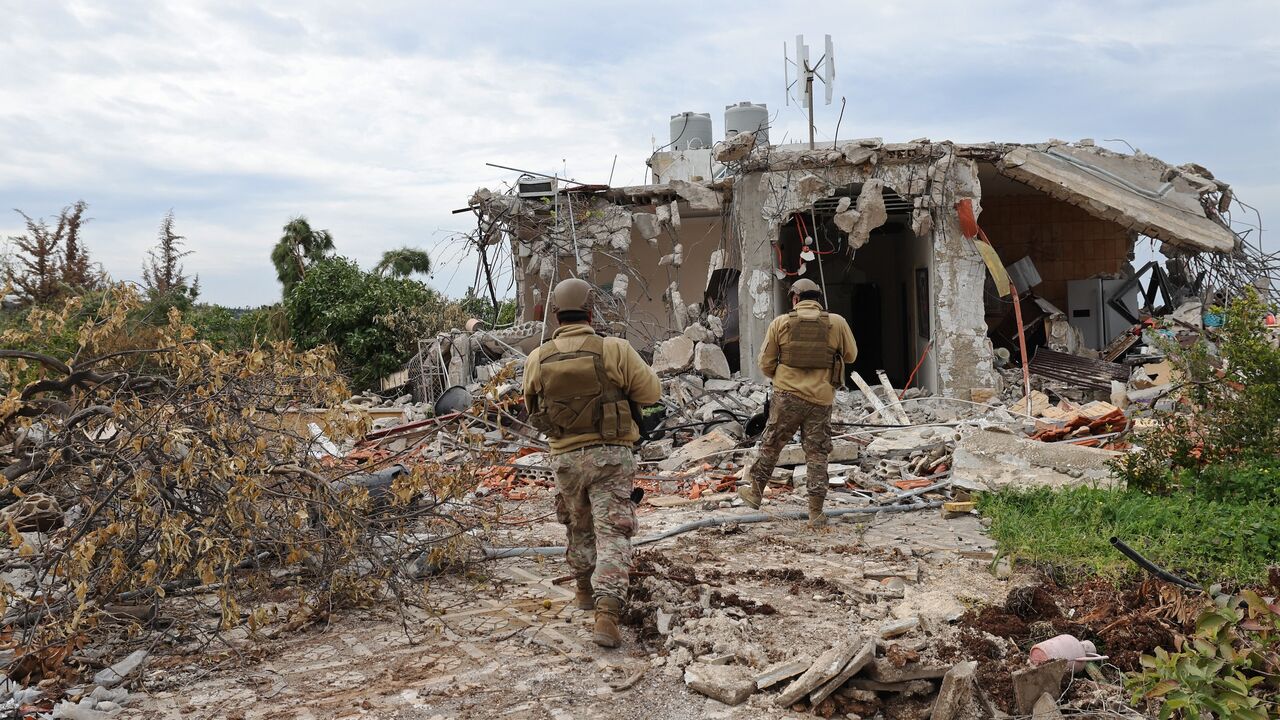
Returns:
(1063, 241)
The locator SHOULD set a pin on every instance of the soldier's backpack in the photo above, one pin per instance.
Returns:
(577, 397)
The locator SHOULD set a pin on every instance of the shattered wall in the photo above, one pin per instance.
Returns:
(650, 262)
(927, 175)
(1064, 242)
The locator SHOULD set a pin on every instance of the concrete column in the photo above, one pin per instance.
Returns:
(961, 348)
(757, 300)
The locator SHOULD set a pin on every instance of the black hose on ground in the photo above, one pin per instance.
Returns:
(1151, 567)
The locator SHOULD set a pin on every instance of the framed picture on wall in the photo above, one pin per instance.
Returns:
(923, 306)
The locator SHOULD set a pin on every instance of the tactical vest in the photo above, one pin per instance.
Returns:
(577, 397)
(808, 348)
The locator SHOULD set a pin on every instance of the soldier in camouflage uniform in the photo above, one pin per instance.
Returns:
(804, 353)
(579, 389)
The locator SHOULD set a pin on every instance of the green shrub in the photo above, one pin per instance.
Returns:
(1230, 667)
(1229, 408)
(337, 303)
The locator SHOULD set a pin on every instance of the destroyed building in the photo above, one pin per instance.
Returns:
(698, 261)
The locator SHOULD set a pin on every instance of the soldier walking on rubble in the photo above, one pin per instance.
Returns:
(579, 389)
(804, 354)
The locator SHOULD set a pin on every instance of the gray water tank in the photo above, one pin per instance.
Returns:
(690, 131)
(747, 117)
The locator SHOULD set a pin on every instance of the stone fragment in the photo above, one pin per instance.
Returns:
(884, 671)
(726, 683)
(710, 444)
(1046, 708)
(841, 451)
(657, 449)
(673, 356)
(697, 332)
(956, 697)
(647, 226)
(869, 214)
(1030, 683)
(990, 461)
(717, 385)
(698, 197)
(736, 148)
(784, 670)
(827, 666)
(853, 667)
(895, 628)
(912, 687)
(710, 362)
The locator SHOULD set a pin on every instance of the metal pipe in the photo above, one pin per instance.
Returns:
(497, 553)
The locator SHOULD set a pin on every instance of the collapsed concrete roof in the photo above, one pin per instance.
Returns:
(1136, 191)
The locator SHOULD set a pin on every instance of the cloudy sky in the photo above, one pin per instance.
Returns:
(375, 119)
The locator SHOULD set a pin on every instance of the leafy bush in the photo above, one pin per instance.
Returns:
(1231, 403)
(337, 303)
(1230, 667)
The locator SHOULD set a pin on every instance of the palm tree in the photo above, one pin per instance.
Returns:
(299, 247)
(403, 262)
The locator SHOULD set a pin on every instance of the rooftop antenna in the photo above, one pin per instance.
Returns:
(806, 72)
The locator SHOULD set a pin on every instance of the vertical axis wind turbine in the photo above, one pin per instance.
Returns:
(806, 73)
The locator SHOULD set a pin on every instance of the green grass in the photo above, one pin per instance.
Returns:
(1204, 540)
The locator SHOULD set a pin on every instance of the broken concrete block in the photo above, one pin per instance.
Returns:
(729, 684)
(710, 362)
(899, 627)
(710, 444)
(620, 283)
(956, 697)
(827, 666)
(841, 451)
(1046, 708)
(736, 148)
(646, 225)
(884, 671)
(657, 449)
(716, 385)
(1030, 683)
(853, 667)
(869, 214)
(989, 461)
(913, 687)
(784, 670)
(983, 395)
(698, 333)
(698, 197)
(673, 356)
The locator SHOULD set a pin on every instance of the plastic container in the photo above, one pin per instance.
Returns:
(1065, 647)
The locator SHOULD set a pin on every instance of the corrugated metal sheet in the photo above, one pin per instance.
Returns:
(1076, 370)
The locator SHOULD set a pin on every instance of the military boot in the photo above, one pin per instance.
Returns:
(608, 609)
(817, 518)
(582, 597)
(751, 495)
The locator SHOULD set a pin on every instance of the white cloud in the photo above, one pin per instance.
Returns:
(376, 121)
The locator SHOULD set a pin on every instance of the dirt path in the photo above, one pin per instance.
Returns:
(515, 648)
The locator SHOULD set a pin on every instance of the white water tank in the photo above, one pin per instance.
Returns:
(690, 131)
(747, 117)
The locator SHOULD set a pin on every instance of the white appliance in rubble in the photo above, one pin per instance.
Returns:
(1089, 309)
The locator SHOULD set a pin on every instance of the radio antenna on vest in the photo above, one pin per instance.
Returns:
(807, 72)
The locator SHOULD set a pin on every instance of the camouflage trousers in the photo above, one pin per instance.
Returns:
(593, 500)
(787, 414)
